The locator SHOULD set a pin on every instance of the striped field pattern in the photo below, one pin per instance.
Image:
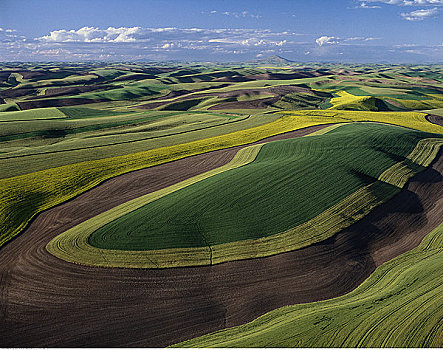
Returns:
(74, 245)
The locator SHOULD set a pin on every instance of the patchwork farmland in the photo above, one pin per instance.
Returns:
(263, 204)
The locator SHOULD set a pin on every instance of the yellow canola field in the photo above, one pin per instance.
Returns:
(412, 120)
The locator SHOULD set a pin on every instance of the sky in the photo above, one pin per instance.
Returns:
(348, 31)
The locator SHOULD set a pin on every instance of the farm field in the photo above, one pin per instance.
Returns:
(258, 204)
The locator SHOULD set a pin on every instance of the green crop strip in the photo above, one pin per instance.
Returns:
(73, 245)
(399, 305)
(23, 197)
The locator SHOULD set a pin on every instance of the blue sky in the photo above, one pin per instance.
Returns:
(396, 31)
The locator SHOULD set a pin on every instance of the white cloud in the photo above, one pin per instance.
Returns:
(139, 34)
(9, 36)
(342, 41)
(242, 14)
(325, 40)
(168, 46)
(248, 42)
(363, 5)
(132, 43)
(407, 2)
(92, 34)
(360, 38)
(420, 15)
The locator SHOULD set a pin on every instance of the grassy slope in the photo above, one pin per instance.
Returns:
(32, 115)
(73, 126)
(399, 305)
(438, 111)
(45, 188)
(224, 208)
(158, 129)
(83, 112)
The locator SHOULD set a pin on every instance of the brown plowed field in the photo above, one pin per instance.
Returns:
(435, 119)
(55, 102)
(48, 302)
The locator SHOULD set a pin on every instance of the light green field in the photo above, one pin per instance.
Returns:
(30, 115)
(71, 80)
(438, 111)
(179, 127)
(399, 305)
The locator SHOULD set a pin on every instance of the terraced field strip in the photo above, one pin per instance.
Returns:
(399, 305)
(77, 148)
(23, 197)
(423, 154)
(73, 244)
(104, 132)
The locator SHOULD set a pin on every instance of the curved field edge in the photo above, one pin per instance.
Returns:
(23, 197)
(399, 305)
(73, 245)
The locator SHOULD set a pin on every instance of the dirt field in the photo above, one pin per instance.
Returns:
(435, 119)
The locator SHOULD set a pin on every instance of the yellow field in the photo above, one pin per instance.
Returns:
(413, 120)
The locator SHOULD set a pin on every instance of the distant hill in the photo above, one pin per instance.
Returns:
(275, 59)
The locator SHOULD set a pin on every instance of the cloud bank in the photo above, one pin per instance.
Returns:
(199, 44)
(407, 2)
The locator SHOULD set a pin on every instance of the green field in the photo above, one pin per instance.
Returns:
(266, 196)
(74, 244)
(31, 115)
